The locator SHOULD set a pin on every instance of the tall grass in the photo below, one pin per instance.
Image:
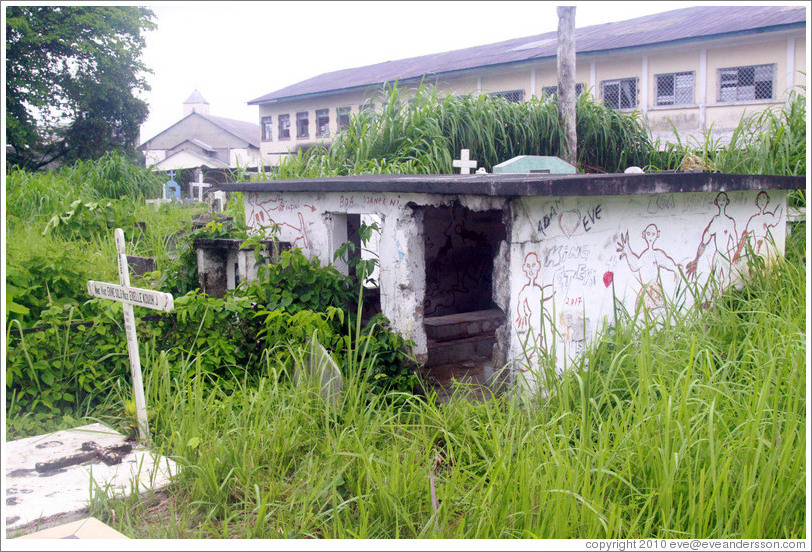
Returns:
(37, 195)
(695, 430)
(772, 141)
(421, 131)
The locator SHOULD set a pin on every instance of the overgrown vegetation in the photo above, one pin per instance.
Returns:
(420, 132)
(771, 141)
(695, 430)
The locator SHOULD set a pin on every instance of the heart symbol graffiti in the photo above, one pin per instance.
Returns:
(569, 221)
(607, 278)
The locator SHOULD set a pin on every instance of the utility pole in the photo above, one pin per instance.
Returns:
(566, 82)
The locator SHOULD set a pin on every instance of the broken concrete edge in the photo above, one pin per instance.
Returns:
(235, 244)
(515, 185)
(46, 523)
(84, 528)
(63, 526)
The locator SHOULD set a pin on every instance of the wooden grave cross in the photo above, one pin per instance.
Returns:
(199, 185)
(130, 296)
(464, 162)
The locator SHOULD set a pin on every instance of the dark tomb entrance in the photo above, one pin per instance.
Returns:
(460, 316)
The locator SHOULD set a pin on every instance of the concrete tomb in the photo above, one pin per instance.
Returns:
(52, 476)
(524, 270)
(222, 263)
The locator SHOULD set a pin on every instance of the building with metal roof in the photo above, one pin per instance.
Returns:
(696, 70)
(201, 140)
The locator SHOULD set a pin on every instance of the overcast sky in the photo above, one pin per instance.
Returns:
(233, 52)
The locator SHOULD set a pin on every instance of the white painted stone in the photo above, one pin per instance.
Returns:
(217, 201)
(464, 163)
(31, 496)
(157, 202)
(320, 369)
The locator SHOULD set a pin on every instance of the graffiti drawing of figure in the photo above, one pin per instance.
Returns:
(758, 227)
(260, 215)
(532, 295)
(722, 236)
(647, 265)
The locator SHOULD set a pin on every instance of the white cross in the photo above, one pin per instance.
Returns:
(464, 163)
(199, 185)
(130, 296)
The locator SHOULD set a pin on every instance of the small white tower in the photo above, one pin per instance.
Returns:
(195, 104)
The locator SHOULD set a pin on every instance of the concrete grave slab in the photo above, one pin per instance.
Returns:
(32, 496)
(87, 528)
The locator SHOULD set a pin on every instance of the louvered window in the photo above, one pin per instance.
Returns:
(267, 128)
(675, 88)
(553, 90)
(343, 117)
(509, 95)
(749, 82)
(302, 125)
(620, 93)
(322, 123)
(284, 127)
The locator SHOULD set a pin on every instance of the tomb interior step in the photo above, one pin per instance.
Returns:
(462, 325)
(471, 379)
(459, 350)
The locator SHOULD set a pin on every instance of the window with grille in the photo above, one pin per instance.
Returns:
(620, 93)
(750, 82)
(509, 95)
(551, 91)
(675, 88)
(284, 127)
(302, 125)
(267, 128)
(366, 107)
(322, 122)
(343, 117)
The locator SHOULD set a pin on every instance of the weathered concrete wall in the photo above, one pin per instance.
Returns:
(558, 263)
(316, 223)
(572, 256)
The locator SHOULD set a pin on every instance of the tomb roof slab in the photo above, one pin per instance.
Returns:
(519, 185)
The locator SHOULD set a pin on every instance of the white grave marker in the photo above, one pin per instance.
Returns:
(464, 163)
(320, 368)
(130, 296)
(199, 185)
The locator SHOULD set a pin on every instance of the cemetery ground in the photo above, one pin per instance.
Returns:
(695, 429)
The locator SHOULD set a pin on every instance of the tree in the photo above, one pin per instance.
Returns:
(72, 76)
(565, 59)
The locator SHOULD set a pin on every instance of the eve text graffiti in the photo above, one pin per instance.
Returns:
(571, 220)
